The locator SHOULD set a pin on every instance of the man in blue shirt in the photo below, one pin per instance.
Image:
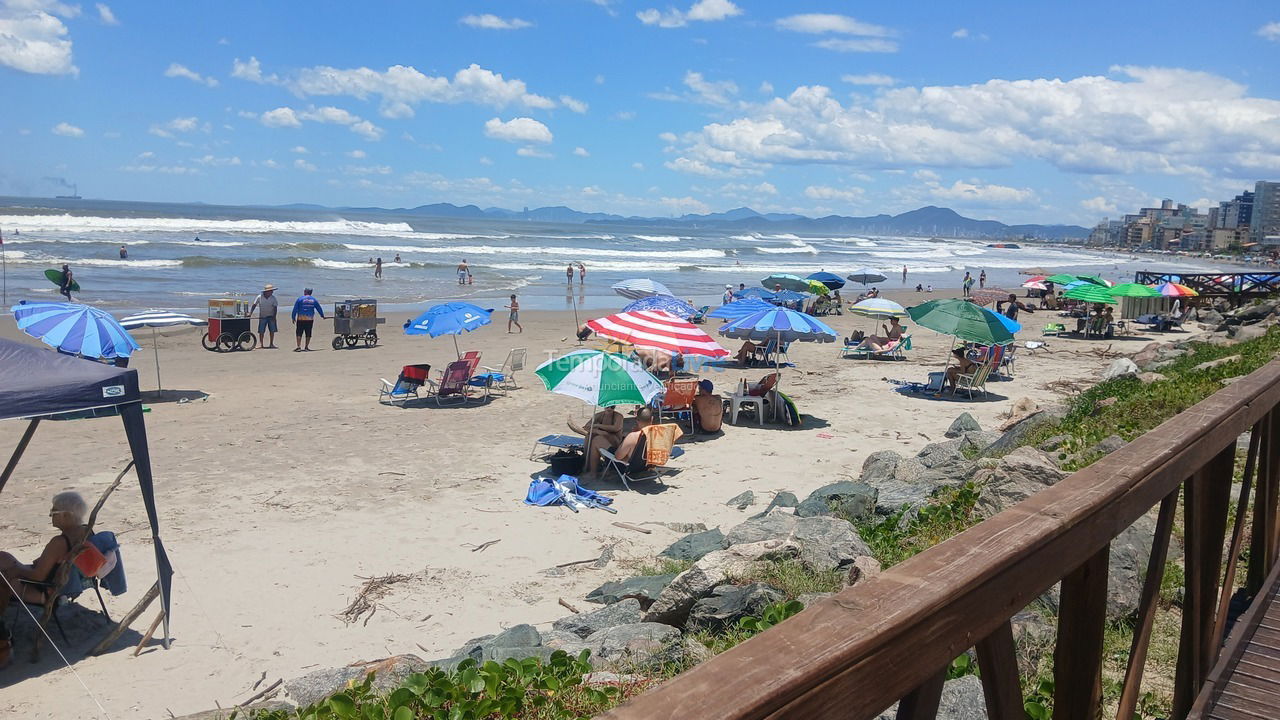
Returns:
(304, 311)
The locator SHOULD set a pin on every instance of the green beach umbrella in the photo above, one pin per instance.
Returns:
(1061, 279)
(788, 282)
(818, 288)
(1134, 290)
(1096, 280)
(961, 319)
(1091, 293)
(599, 378)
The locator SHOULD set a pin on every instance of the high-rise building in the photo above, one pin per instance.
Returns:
(1235, 213)
(1265, 222)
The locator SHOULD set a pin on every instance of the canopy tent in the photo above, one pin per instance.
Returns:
(37, 383)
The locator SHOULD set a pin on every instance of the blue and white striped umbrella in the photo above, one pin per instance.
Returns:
(786, 296)
(640, 287)
(754, 292)
(740, 309)
(779, 324)
(75, 328)
(665, 303)
(159, 319)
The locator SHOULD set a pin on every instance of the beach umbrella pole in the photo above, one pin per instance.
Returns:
(456, 351)
(155, 348)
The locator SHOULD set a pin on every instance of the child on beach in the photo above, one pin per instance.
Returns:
(514, 319)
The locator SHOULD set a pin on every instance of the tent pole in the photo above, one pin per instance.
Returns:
(155, 347)
(17, 452)
(136, 431)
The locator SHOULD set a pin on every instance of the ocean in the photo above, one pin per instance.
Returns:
(182, 254)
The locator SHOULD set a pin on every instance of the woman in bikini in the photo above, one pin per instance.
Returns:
(606, 432)
(892, 334)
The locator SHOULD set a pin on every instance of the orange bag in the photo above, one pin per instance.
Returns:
(90, 560)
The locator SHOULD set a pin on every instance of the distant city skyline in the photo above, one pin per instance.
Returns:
(1026, 115)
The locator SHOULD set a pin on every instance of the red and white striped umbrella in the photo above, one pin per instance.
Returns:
(657, 329)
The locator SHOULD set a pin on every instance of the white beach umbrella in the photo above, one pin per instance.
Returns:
(637, 288)
(156, 319)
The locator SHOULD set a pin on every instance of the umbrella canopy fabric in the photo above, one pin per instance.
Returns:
(1134, 290)
(740, 309)
(599, 378)
(1035, 285)
(788, 282)
(657, 329)
(1013, 325)
(831, 280)
(640, 287)
(879, 308)
(1061, 279)
(754, 292)
(1176, 290)
(1033, 271)
(781, 324)
(452, 318)
(1096, 280)
(866, 276)
(159, 319)
(1089, 292)
(665, 303)
(818, 288)
(962, 320)
(75, 328)
(790, 296)
(991, 295)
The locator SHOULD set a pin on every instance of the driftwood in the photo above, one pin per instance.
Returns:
(150, 631)
(263, 693)
(629, 526)
(127, 620)
(481, 546)
(564, 604)
(374, 589)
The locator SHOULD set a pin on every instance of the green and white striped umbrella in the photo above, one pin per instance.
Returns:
(599, 378)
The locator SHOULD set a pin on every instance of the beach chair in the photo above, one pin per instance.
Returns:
(82, 568)
(1006, 362)
(677, 401)
(892, 350)
(700, 316)
(638, 467)
(977, 380)
(504, 377)
(762, 352)
(406, 385)
(472, 357)
(453, 384)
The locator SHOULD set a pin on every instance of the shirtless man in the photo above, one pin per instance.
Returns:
(464, 272)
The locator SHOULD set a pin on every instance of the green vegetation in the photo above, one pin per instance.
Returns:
(792, 578)
(662, 566)
(748, 627)
(907, 532)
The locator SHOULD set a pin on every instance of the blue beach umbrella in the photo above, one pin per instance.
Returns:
(75, 329)
(831, 280)
(780, 325)
(789, 296)
(1012, 325)
(665, 303)
(740, 309)
(754, 292)
(452, 318)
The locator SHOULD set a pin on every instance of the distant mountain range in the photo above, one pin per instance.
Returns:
(929, 220)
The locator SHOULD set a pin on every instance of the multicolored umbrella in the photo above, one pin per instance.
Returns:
(599, 378)
(818, 288)
(787, 281)
(831, 280)
(879, 308)
(990, 296)
(657, 329)
(1035, 285)
(640, 287)
(1089, 292)
(159, 319)
(1134, 290)
(665, 303)
(866, 276)
(75, 329)
(961, 319)
(1175, 290)
(452, 318)
(740, 309)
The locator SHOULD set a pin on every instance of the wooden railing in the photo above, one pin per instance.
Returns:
(892, 637)
(1236, 287)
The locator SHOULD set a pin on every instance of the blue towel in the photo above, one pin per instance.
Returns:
(105, 541)
(546, 491)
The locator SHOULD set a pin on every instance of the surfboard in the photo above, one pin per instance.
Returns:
(55, 277)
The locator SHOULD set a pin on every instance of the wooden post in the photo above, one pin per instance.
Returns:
(1264, 504)
(1147, 609)
(1233, 552)
(1206, 498)
(127, 620)
(1077, 658)
(998, 663)
(922, 703)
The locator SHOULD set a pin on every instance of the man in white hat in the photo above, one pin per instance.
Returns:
(728, 295)
(267, 306)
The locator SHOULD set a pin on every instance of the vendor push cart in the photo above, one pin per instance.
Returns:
(228, 326)
(356, 320)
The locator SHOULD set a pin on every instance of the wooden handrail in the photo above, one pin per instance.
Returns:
(855, 653)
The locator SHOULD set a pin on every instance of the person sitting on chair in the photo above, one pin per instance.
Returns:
(879, 343)
(708, 408)
(746, 352)
(67, 515)
(965, 367)
(606, 432)
(644, 418)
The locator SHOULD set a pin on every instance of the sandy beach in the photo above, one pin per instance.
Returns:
(290, 484)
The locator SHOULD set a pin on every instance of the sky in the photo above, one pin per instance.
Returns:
(1022, 112)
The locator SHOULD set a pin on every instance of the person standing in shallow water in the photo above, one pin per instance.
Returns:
(377, 269)
(568, 273)
(582, 274)
(982, 279)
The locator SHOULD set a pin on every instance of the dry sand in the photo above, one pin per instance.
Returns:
(290, 483)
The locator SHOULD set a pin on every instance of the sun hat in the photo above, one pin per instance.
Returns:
(267, 287)
(728, 287)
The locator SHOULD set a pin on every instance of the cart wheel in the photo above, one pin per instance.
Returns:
(226, 342)
(337, 342)
(351, 340)
(246, 341)
(370, 339)
(210, 345)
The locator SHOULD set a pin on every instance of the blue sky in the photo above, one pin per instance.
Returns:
(1015, 111)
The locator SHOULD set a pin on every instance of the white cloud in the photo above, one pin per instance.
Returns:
(182, 71)
(485, 160)
(493, 22)
(176, 125)
(960, 33)
(1270, 31)
(271, 164)
(869, 79)
(742, 189)
(162, 169)
(668, 137)
(367, 170)
(637, 166)
(300, 149)
(825, 192)
(251, 70)
(366, 130)
(67, 130)
(145, 155)
(581, 152)
(357, 154)
(858, 45)
(710, 92)
(532, 152)
(281, 117)
(683, 205)
(1100, 206)
(599, 79)
(105, 16)
(701, 11)
(766, 88)
(521, 129)
(823, 23)
(1089, 125)
(625, 115)
(33, 38)
(304, 165)
(978, 194)
(217, 161)
(573, 104)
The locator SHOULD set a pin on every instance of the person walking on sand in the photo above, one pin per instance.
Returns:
(377, 269)
(514, 319)
(966, 283)
(982, 279)
(303, 315)
(728, 295)
(67, 281)
(267, 305)
(463, 272)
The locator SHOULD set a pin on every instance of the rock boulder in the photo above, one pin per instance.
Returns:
(825, 543)
(846, 499)
(583, 625)
(644, 588)
(693, 547)
(729, 603)
(1016, 477)
(961, 425)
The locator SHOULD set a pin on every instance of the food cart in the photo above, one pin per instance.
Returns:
(228, 326)
(356, 320)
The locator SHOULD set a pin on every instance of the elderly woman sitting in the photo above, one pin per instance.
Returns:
(68, 516)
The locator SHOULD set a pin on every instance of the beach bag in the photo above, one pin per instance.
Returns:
(564, 462)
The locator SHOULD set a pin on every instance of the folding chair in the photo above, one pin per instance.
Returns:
(453, 384)
(636, 469)
(504, 377)
(677, 401)
(977, 380)
(406, 385)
